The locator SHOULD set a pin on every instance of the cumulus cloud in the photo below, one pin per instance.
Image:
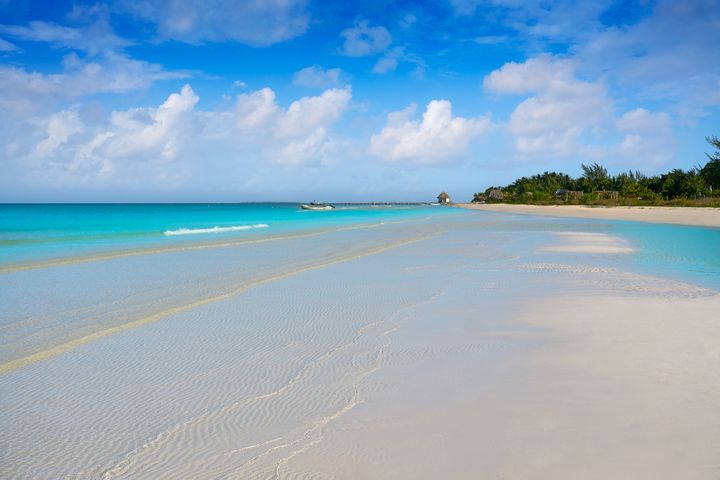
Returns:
(362, 40)
(313, 112)
(293, 136)
(647, 137)
(164, 142)
(259, 110)
(563, 113)
(81, 148)
(561, 106)
(59, 127)
(317, 77)
(158, 131)
(641, 120)
(256, 109)
(303, 150)
(257, 23)
(657, 50)
(437, 138)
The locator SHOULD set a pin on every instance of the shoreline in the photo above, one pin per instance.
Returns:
(689, 216)
(477, 341)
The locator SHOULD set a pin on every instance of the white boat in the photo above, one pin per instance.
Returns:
(317, 206)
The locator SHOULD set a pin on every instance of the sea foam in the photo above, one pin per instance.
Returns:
(196, 231)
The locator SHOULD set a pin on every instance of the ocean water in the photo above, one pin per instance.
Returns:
(239, 359)
(680, 252)
(45, 231)
(690, 254)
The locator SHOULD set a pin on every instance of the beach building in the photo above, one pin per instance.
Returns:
(607, 194)
(568, 195)
(496, 194)
(443, 198)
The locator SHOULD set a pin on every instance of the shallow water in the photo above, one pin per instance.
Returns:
(233, 361)
(31, 232)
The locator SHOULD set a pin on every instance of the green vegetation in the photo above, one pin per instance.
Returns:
(699, 186)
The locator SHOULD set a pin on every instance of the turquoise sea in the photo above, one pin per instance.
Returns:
(690, 254)
(213, 341)
(37, 232)
(42, 232)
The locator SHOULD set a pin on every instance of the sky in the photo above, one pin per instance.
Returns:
(293, 100)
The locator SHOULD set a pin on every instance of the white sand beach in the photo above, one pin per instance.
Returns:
(465, 345)
(705, 217)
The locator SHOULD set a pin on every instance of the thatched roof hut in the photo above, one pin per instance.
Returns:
(443, 198)
(496, 194)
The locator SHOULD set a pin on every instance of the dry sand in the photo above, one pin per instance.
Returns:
(703, 217)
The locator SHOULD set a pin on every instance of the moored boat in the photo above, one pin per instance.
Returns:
(317, 206)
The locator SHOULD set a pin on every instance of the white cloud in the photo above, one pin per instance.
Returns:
(567, 117)
(164, 143)
(387, 63)
(491, 39)
(647, 137)
(652, 51)
(407, 21)
(362, 40)
(560, 109)
(313, 112)
(141, 135)
(24, 93)
(544, 73)
(157, 131)
(259, 111)
(94, 38)
(641, 120)
(256, 109)
(6, 46)
(437, 138)
(667, 55)
(465, 7)
(60, 127)
(392, 58)
(257, 23)
(306, 150)
(317, 77)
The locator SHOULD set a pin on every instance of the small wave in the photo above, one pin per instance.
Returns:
(196, 231)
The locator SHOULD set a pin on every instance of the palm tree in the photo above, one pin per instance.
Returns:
(596, 176)
(711, 171)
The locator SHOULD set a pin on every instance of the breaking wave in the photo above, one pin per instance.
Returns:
(196, 231)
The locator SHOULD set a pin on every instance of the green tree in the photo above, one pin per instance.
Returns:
(680, 184)
(711, 171)
(595, 177)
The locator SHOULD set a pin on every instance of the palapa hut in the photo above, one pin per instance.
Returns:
(443, 198)
(496, 194)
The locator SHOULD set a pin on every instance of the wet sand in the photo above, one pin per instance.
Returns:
(469, 346)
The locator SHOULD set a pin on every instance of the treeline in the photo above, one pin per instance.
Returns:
(596, 185)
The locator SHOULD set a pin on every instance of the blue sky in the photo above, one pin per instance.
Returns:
(214, 100)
